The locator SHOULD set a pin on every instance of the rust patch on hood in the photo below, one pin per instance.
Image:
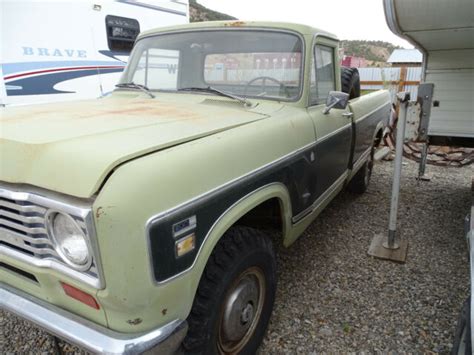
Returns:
(150, 110)
(235, 24)
(92, 109)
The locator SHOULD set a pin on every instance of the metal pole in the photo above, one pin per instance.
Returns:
(424, 157)
(403, 99)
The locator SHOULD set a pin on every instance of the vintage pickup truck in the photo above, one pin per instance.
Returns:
(146, 220)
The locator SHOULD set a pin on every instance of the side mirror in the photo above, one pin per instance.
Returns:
(336, 99)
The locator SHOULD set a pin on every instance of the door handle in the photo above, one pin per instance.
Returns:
(347, 114)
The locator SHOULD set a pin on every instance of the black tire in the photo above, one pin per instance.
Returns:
(462, 338)
(350, 82)
(241, 252)
(361, 180)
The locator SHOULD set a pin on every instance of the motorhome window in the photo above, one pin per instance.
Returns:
(121, 33)
(250, 63)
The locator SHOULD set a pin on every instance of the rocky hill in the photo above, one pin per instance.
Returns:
(199, 13)
(376, 51)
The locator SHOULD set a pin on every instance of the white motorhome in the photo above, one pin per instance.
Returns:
(67, 50)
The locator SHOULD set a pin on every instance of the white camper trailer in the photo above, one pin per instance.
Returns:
(444, 32)
(66, 50)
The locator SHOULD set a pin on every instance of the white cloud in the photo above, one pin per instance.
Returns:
(347, 19)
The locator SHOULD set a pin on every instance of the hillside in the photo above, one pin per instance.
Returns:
(199, 13)
(377, 51)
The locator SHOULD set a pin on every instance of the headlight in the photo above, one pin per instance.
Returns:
(70, 241)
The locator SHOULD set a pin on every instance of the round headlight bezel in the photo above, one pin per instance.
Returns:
(49, 220)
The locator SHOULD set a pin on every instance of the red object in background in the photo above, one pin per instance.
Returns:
(79, 295)
(353, 62)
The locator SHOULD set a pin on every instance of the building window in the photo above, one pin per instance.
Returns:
(121, 33)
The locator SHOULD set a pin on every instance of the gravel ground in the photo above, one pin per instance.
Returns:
(332, 297)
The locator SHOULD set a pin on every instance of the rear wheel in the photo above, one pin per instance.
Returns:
(235, 296)
(350, 82)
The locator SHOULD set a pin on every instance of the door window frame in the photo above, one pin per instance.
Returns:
(317, 101)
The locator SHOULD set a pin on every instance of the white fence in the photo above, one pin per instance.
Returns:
(392, 79)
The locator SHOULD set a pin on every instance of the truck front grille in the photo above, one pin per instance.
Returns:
(22, 227)
(23, 230)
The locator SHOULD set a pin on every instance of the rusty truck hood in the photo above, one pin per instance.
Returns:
(72, 147)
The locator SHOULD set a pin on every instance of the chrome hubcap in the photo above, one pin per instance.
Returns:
(241, 310)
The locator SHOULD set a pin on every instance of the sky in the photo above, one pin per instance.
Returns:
(347, 19)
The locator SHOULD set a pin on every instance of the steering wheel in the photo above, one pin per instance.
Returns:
(264, 81)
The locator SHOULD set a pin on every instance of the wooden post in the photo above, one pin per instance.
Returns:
(403, 78)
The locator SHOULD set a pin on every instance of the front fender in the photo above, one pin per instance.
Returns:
(238, 210)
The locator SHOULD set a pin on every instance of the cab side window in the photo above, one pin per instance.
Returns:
(322, 74)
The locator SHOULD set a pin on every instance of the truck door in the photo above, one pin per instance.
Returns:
(333, 130)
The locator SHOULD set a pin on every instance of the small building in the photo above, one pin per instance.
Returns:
(353, 62)
(405, 58)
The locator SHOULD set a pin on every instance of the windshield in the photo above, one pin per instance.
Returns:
(246, 63)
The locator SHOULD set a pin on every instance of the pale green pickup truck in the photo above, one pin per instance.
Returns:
(146, 220)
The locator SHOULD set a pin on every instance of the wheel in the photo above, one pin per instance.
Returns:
(350, 82)
(462, 338)
(264, 81)
(361, 180)
(235, 296)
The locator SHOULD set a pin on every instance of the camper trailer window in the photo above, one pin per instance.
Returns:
(121, 33)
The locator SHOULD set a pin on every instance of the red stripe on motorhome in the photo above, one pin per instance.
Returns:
(61, 69)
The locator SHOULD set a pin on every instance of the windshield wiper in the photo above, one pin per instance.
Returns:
(136, 86)
(218, 92)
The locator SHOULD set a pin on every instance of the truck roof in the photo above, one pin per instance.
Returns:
(302, 29)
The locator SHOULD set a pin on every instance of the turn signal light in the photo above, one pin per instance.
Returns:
(185, 245)
(79, 295)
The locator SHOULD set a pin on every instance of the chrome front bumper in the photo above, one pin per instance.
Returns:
(87, 335)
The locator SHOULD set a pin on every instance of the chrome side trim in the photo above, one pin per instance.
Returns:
(149, 224)
(88, 335)
(321, 199)
(362, 159)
